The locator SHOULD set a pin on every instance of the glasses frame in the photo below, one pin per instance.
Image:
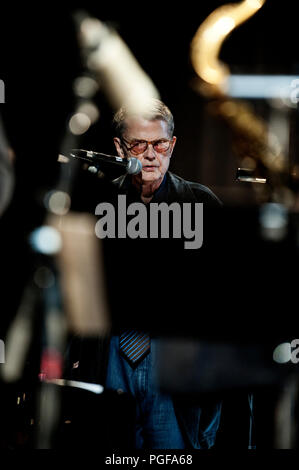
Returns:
(152, 142)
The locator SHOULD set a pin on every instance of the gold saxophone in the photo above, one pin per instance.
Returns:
(250, 133)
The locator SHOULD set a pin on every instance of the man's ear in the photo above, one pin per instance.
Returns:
(118, 147)
(173, 144)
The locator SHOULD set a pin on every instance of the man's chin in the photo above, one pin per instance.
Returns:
(150, 176)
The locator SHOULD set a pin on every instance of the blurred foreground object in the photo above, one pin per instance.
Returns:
(257, 144)
(82, 279)
(264, 150)
(207, 42)
(118, 72)
(6, 171)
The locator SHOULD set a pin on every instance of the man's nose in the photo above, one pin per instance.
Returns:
(150, 152)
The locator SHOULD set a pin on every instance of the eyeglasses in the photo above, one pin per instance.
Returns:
(140, 146)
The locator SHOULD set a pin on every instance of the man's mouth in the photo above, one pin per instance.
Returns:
(149, 167)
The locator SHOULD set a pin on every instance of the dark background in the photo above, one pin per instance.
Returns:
(39, 60)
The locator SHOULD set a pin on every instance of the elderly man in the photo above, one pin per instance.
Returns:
(150, 139)
(160, 422)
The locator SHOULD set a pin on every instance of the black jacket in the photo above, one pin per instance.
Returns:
(179, 190)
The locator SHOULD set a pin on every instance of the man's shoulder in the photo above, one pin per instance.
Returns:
(200, 192)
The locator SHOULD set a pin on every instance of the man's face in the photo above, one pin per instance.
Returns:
(155, 163)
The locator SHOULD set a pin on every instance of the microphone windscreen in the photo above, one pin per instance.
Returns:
(134, 166)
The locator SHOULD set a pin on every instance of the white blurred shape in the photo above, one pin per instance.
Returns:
(93, 169)
(85, 87)
(282, 353)
(58, 202)
(273, 219)
(46, 240)
(91, 110)
(79, 123)
(2, 352)
(94, 388)
(281, 87)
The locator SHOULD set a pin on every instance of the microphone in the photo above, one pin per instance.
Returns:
(107, 163)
